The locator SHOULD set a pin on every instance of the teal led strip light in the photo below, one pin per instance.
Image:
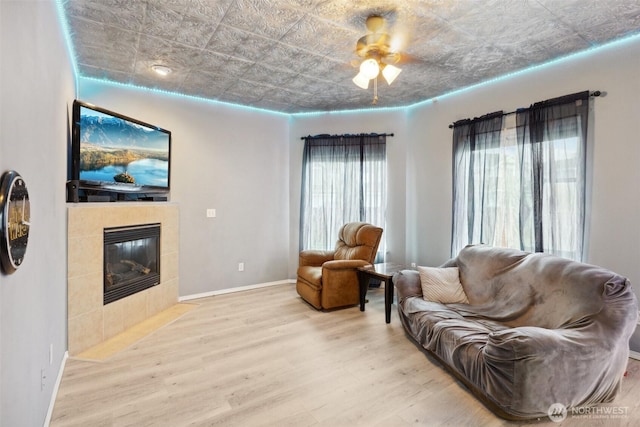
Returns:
(181, 95)
(538, 67)
(67, 38)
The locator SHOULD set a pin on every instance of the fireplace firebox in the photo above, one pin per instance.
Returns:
(131, 260)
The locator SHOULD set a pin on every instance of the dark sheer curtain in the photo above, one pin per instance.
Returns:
(552, 143)
(476, 159)
(343, 180)
(520, 182)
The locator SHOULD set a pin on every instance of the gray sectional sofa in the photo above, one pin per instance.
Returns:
(538, 329)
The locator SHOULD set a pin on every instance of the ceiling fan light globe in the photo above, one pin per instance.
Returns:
(370, 68)
(390, 72)
(361, 81)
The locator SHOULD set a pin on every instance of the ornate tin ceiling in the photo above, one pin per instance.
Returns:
(296, 55)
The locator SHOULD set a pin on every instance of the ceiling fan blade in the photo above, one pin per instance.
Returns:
(398, 41)
(406, 58)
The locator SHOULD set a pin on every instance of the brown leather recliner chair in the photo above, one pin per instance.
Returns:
(329, 279)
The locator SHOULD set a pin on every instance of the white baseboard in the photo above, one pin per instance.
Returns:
(232, 290)
(56, 386)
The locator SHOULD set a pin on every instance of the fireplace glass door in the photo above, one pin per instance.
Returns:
(131, 260)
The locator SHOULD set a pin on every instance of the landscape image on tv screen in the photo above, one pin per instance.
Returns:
(116, 150)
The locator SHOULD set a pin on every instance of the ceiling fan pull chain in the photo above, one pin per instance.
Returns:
(375, 90)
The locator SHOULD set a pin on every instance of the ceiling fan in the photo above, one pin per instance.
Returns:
(378, 56)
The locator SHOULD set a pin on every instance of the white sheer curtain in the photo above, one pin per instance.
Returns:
(343, 180)
(476, 157)
(520, 182)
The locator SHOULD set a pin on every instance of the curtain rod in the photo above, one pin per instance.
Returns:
(344, 136)
(595, 93)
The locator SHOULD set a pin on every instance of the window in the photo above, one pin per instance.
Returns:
(519, 179)
(343, 180)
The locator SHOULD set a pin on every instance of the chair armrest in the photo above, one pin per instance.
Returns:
(340, 282)
(314, 258)
(344, 264)
(407, 282)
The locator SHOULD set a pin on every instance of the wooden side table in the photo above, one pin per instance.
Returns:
(383, 272)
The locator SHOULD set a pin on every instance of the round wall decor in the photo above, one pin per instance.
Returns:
(15, 214)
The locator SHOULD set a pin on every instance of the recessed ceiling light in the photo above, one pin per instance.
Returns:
(162, 70)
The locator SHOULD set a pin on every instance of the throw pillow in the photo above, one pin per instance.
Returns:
(442, 285)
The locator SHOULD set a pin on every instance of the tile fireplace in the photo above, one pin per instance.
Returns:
(91, 263)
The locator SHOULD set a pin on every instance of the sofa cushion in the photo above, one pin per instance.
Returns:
(442, 285)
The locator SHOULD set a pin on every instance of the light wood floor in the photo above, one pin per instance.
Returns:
(265, 358)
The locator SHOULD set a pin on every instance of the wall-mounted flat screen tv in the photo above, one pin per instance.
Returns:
(113, 152)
